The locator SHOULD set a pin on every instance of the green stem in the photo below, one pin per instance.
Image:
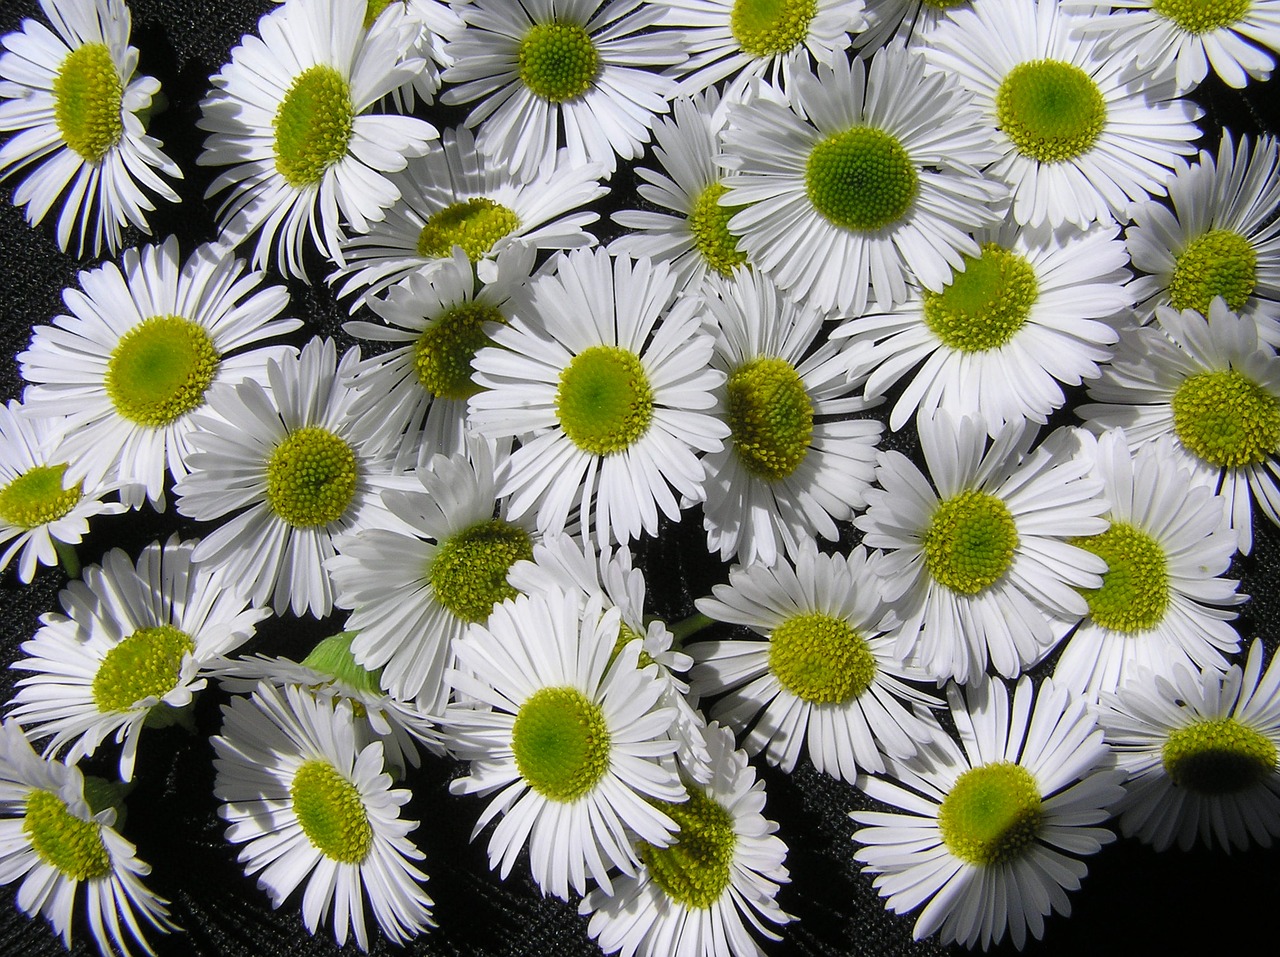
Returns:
(689, 626)
(67, 555)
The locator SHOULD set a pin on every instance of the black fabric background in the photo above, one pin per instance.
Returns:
(1133, 901)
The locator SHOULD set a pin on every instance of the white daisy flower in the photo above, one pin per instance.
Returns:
(604, 374)
(1078, 142)
(290, 114)
(795, 462)
(721, 873)
(989, 838)
(74, 108)
(825, 677)
(859, 179)
(437, 23)
(909, 20)
(1202, 750)
(1025, 316)
(55, 837)
(569, 734)
(547, 73)
(133, 639)
(311, 805)
(139, 351)
(981, 570)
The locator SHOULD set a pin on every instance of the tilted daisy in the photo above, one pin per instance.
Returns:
(720, 874)
(1022, 318)
(604, 374)
(437, 23)
(988, 836)
(1202, 751)
(74, 107)
(981, 570)
(57, 832)
(290, 115)
(547, 73)
(569, 735)
(909, 20)
(858, 180)
(134, 644)
(1078, 142)
(138, 352)
(312, 805)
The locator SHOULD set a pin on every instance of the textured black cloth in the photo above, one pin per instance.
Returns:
(1133, 901)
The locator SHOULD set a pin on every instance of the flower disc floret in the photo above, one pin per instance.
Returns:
(147, 664)
(1135, 586)
(821, 659)
(561, 743)
(991, 814)
(697, 867)
(65, 842)
(766, 28)
(160, 370)
(771, 417)
(558, 61)
(1202, 16)
(1218, 756)
(372, 10)
(1226, 418)
(313, 125)
(970, 541)
(709, 224)
(474, 224)
(87, 97)
(604, 401)
(469, 573)
(986, 304)
(626, 635)
(311, 477)
(1051, 110)
(1220, 262)
(861, 179)
(331, 813)
(36, 497)
(444, 352)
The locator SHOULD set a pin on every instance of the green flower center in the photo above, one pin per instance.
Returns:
(986, 304)
(970, 542)
(991, 814)
(626, 635)
(160, 370)
(313, 125)
(1051, 110)
(1226, 418)
(558, 61)
(820, 659)
(1218, 263)
(331, 812)
(709, 223)
(444, 353)
(1135, 587)
(561, 743)
(71, 846)
(311, 477)
(770, 416)
(697, 869)
(945, 4)
(332, 656)
(469, 572)
(604, 401)
(771, 27)
(1218, 756)
(1202, 16)
(474, 224)
(87, 93)
(372, 10)
(36, 497)
(144, 665)
(861, 179)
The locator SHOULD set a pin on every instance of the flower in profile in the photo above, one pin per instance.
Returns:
(988, 835)
(312, 805)
(75, 110)
(134, 646)
(57, 833)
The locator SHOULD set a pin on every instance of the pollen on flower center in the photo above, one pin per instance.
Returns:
(1135, 586)
(626, 635)
(1051, 110)
(372, 10)
(558, 61)
(331, 812)
(444, 352)
(1218, 263)
(147, 664)
(469, 572)
(160, 370)
(970, 541)
(766, 28)
(474, 224)
(770, 417)
(311, 477)
(604, 401)
(36, 497)
(1202, 16)
(313, 125)
(697, 867)
(71, 846)
(709, 224)
(991, 814)
(820, 659)
(87, 97)
(561, 743)
(861, 179)
(1226, 418)
(986, 304)
(1218, 756)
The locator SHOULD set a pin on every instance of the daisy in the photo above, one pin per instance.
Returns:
(990, 834)
(604, 372)
(437, 23)
(796, 462)
(290, 115)
(570, 737)
(1026, 315)
(909, 20)
(547, 73)
(1078, 142)
(822, 676)
(1163, 599)
(311, 805)
(981, 570)
(75, 109)
(721, 873)
(132, 648)
(858, 179)
(139, 351)
(1209, 382)
(55, 840)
